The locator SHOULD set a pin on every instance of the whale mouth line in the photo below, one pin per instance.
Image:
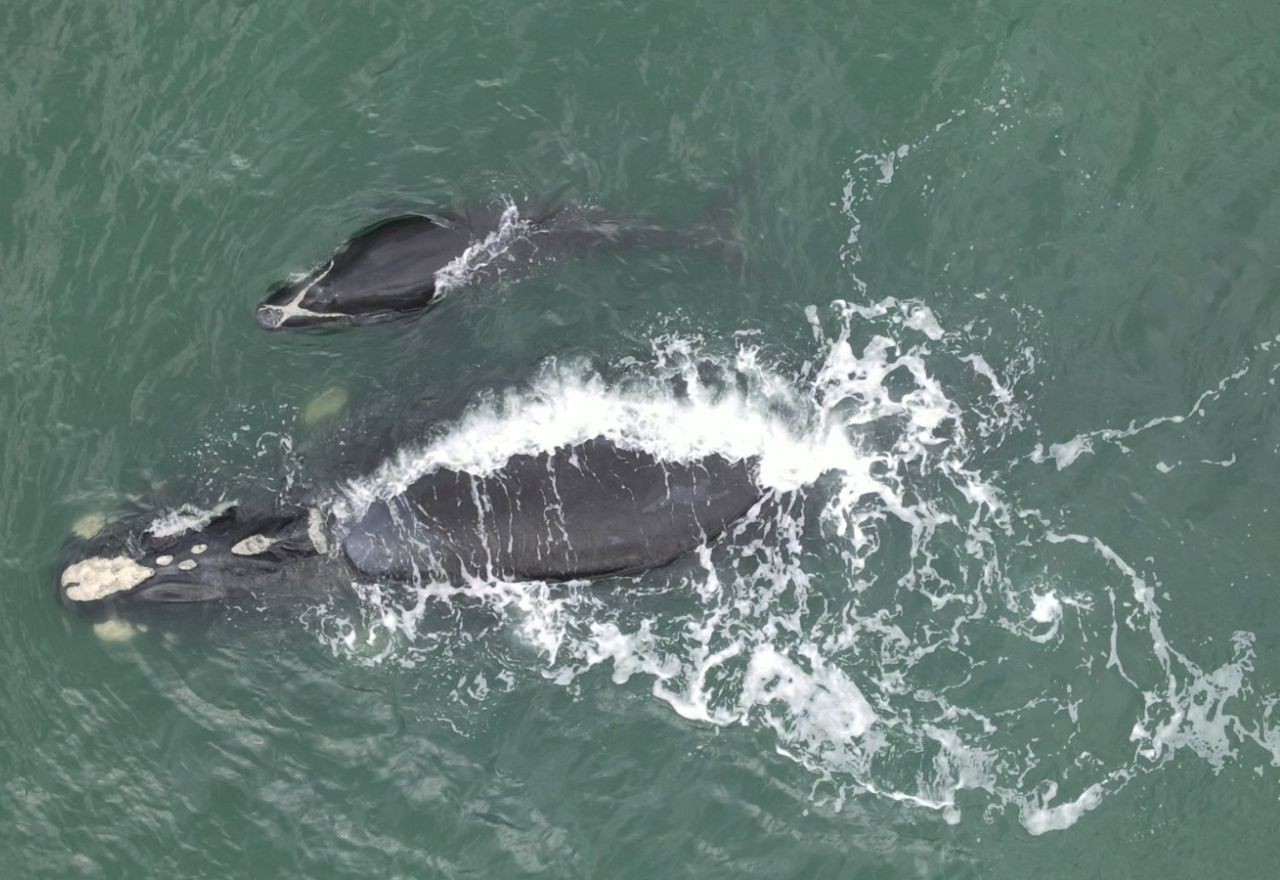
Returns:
(173, 591)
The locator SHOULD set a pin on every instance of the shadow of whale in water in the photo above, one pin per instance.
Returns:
(579, 511)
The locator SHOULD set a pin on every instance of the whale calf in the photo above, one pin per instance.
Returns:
(405, 265)
(583, 510)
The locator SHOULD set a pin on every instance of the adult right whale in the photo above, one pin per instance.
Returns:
(405, 265)
(583, 510)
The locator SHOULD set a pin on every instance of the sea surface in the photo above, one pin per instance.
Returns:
(997, 306)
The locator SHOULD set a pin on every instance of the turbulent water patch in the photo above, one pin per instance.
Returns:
(482, 253)
(900, 624)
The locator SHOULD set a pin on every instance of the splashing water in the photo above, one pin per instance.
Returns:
(893, 619)
(482, 253)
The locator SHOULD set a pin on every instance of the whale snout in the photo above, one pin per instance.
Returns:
(100, 581)
(297, 305)
(99, 584)
(268, 316)
(95, 578)
(233, 556)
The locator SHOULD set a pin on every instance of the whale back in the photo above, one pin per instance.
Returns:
(386, 270)
(580, 511)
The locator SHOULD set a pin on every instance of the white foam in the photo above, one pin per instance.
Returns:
(484, 252)
(186, 518)
(722, 670)
(843, 621)
(1048, 608)
(1065, 454)
(983, 369)
(565, 408)
(829, 706)
(926, 322)
(1039, 819)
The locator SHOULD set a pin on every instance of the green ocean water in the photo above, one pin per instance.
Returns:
(1049, 647)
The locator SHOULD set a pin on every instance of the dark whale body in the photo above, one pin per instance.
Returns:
(581, 511)
(386, 270)
(586, 510)
(404, 265)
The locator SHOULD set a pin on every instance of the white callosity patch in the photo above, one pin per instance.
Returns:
(197, 549)
(164, 559)
(316, 531)
(1038, 818)
(186, 565)
(294, 308)
(100, 576)
(252, 545)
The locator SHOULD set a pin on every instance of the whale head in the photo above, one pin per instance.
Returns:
(321, 300)
(386, 271)
(236, 556)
